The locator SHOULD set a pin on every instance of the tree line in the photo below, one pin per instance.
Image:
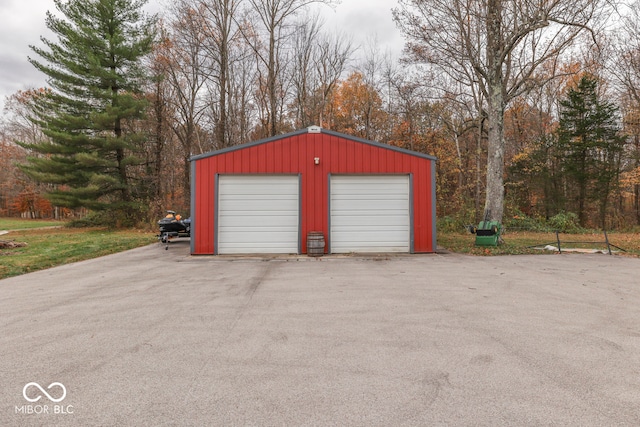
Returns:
(531, 107)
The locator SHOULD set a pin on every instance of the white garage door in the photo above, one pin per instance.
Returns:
(370, 213)
(258, 214)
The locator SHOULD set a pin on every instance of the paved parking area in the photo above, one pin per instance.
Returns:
(155, 337)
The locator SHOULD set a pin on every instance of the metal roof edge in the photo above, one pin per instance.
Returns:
(247, 145)
(380, 144)
(312, 129)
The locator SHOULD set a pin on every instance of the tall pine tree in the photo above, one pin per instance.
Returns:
(95, 73)
(590, 147)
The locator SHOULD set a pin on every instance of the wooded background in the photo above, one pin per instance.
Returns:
(554, 84)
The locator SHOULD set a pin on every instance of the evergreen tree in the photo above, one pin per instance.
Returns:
(590, 147)
(95, 73)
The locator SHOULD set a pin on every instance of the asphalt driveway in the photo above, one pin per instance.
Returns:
(155, 337)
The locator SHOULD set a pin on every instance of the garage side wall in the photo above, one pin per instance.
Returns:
(295, 155)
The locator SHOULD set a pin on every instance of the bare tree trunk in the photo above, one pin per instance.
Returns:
(159, 141)
(274, 15)
(499, 45)
(494, 199)
(636, 201)
(636, 187)
(478, 176)
(271, 86)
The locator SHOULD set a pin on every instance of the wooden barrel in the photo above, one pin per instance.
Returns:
(315, 243)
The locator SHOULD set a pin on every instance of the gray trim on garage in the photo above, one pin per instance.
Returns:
(299, 213)
(302, 132)
(192, 207)
(328, 237)
(411, 233)
(216, 214)
(433, 210)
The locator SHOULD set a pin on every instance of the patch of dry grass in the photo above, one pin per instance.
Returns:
(526, 242)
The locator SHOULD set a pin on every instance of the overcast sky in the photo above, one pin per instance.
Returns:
(23, 22)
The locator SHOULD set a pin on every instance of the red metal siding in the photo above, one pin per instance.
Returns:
(295, 155)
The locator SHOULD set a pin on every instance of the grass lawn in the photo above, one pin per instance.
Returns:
(51, 247)
(522, 242)
(21, 224)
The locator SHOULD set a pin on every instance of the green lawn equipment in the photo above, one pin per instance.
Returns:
(487, 232)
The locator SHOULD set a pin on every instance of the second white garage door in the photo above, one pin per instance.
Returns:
(370, 213)
(258, 214)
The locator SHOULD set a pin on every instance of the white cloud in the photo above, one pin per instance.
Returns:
(23, 22)
(368, 20)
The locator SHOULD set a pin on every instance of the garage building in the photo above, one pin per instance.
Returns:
(266, 196)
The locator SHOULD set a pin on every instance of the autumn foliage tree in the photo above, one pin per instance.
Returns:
(20, 195)
(356, 108)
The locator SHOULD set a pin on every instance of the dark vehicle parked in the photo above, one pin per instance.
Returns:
(172, 226)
